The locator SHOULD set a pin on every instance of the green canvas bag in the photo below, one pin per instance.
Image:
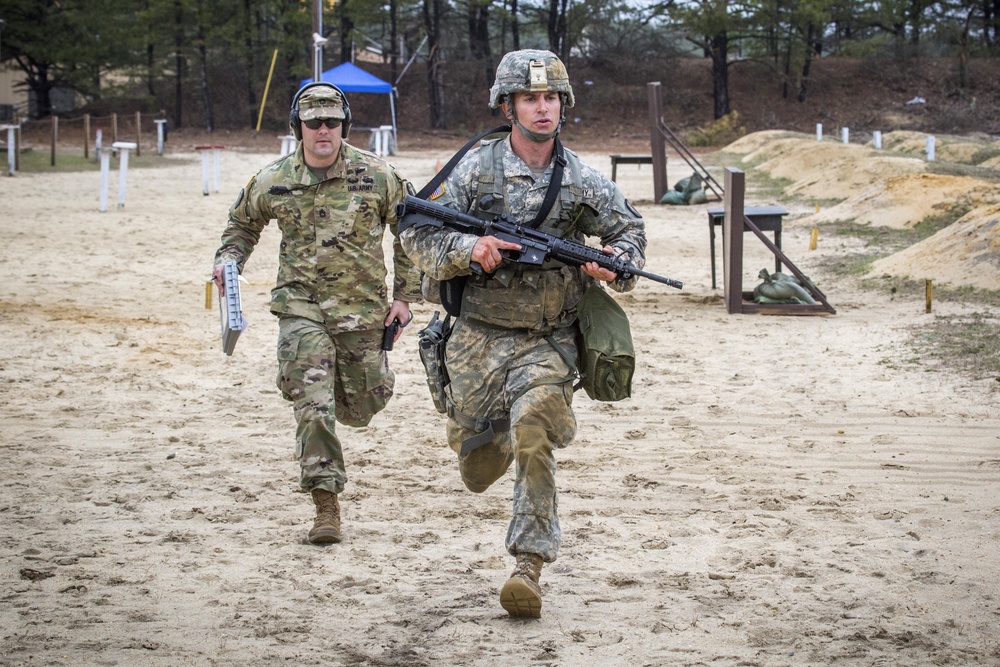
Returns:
(606, 356)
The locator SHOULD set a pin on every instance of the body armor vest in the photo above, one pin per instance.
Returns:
(519, 297)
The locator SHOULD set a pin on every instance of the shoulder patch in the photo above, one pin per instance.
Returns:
(239, 197)
(632, 210)
(438, 193)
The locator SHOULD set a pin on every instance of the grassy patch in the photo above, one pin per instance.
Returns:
(881, 241)
(723, 131)
(983, 154)
(967, 343)
(759, 184)
(956, 169)
(40, 162)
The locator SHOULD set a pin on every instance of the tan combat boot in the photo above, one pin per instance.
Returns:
(521, 596)
(326, 527)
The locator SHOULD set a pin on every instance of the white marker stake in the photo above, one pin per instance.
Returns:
(105, 167)
(11, 150)
(204, 172)
(159, 136)
(124, 147)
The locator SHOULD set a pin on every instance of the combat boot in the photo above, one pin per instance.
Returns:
(521, 596)
(326, 526)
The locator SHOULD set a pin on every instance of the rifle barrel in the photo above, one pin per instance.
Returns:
(660, 279)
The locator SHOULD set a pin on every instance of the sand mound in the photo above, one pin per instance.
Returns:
(884, 188)
(947, 148)
(757, 140)
(828, 170)
(903, 201)
(966, 252)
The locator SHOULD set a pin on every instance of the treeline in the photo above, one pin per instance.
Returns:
(205, 63)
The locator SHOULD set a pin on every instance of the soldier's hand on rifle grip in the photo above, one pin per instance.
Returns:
(487, 252)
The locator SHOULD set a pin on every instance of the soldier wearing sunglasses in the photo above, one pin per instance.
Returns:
(333, 203)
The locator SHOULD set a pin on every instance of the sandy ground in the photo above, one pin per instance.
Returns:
(779, 491)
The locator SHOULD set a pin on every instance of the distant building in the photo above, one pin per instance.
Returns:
(13, 97)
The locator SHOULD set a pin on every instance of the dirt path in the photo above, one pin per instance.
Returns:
(780, 490)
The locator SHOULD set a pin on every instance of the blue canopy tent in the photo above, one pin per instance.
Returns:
(352, 79)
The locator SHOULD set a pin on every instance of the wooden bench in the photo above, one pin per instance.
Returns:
(767, 219)
(628, 159)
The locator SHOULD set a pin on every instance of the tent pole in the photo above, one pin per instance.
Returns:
(392, 109)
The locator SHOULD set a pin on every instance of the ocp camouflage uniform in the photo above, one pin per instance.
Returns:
(330, 296)
(500, 357)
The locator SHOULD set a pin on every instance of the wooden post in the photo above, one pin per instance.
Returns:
(114, 127)
(55, 137)
(928, 294)
(656, 143)
(17, 148)
(86, 136)
(138, 133)
(732, 240)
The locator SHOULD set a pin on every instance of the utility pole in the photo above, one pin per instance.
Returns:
(318, 40)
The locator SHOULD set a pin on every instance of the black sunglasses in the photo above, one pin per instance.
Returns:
(315, 123)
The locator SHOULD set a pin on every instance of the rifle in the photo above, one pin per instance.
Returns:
(536, 246)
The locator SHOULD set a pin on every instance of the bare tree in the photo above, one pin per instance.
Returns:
(433, 11)
(556, 26)
(206, 91)
(479, 35)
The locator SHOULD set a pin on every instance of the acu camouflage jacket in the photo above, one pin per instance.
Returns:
(331, 266)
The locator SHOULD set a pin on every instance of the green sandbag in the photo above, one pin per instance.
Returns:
(674, 198)
(780, 288)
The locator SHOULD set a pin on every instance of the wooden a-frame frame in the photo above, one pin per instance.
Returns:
(738, 301)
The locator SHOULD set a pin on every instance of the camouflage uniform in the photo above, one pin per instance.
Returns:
(330, 297)
(499, 358)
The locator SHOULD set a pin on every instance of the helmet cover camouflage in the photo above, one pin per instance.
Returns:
(321, 102)
(530, 70)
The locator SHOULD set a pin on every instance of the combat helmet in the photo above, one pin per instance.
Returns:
(531, 70)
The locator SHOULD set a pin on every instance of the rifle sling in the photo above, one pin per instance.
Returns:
(554, 185)
(439, 177)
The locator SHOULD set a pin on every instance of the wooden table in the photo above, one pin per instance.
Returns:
(767, 219)
(628, 159)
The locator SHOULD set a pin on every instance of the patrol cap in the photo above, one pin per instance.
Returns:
(321, 102)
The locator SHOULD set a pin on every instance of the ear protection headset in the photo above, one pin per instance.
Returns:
(293, 115)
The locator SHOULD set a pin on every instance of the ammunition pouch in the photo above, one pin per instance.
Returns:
(531, 299)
